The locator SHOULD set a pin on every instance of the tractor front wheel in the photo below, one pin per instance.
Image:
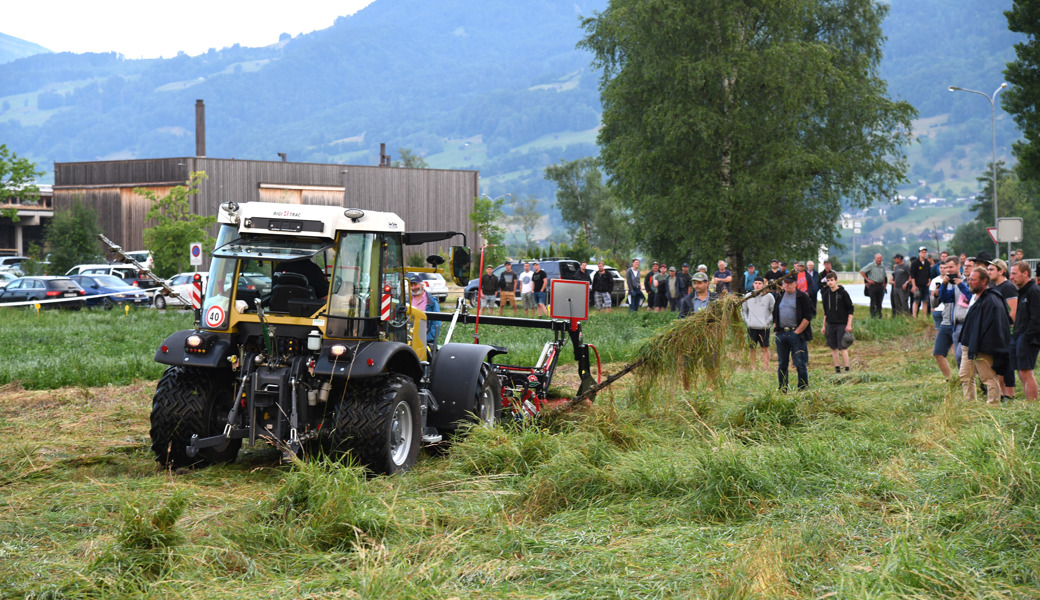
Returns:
(378, 421)
(190, 401)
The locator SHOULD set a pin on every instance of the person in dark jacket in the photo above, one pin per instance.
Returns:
(792, 317)
(698, 299)
(985, 338)
(837, 319)
(1026, 341)
(602, 285)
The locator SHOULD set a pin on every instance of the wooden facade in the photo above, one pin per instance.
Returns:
(427, 199)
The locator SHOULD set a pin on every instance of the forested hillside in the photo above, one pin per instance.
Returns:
(493, 85)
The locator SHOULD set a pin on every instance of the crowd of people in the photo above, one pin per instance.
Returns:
(985, 311)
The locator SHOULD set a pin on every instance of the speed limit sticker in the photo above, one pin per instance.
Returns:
(214, 316)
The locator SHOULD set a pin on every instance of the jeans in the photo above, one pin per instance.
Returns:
(634, 298)
(788, 344)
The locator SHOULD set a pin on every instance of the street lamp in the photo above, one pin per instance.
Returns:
(993, 123)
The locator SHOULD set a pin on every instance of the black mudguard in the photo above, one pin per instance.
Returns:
(176, 354)
(385, 357)
(454, 376)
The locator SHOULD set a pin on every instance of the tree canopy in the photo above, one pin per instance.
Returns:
(1022, 99)
(739, 128)
(176, 226)
(17, 176)
(72, 237)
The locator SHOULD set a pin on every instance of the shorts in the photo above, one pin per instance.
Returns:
(602, 299)
(539, 298)
(505, 298)
(1023, 354)
(527, 300)
(835, 331)
(943, 341)
(921, 295)
(487, 301)
(759, 336)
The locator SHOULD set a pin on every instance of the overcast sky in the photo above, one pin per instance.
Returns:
(147, 29)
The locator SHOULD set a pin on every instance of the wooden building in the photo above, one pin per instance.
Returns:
(30, 224)
(427, 199)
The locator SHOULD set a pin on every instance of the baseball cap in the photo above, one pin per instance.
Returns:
(686, 264)
(790, 279)
(698, 276)
(759, 278)
(1000, 264)
(846, 340)
(922, 248)
(749, 265)
(672, 269)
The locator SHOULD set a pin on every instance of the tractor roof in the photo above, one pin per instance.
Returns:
(306, 220)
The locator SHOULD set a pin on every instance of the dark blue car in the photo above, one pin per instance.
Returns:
(108, 290)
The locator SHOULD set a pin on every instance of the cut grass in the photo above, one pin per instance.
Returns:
(882, 483)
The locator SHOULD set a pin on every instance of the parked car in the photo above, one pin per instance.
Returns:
(98, 286)
(257, 282)
(619, 294)
(181, 283)
(555, 268)
(127, 273)
(32, 289)
(435, 285)
(144, 257)
(13, 264)
(7, 277)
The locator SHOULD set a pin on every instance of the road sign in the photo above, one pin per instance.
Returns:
(1009, 230)
(195, 251)
(992, 231)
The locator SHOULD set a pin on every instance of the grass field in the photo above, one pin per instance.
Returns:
(882, 483)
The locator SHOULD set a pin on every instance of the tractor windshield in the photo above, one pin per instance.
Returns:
(351, 289)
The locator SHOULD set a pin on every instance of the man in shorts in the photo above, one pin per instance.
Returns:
(602, 285)
(526, 289)
(488, 288)
(540, 280)
(954, 295)
(757, 313)
(998, 273)
(1026, 340)
(837, 320)
(507, 289)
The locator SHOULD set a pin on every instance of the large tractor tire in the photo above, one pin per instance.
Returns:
(378, 420)
(488, 403)
(191, 401)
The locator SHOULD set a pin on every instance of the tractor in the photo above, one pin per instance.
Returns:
(331, 356)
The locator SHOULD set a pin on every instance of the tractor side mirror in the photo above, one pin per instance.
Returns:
(458, 258)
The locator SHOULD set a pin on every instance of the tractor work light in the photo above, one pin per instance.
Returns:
(354, 214)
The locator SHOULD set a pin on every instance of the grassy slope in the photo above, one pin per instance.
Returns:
(882, 483)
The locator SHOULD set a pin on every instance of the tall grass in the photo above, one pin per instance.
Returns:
(56, 348)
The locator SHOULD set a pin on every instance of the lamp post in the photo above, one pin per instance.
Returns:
(993, 124)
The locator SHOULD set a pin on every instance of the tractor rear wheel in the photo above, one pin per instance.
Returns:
(378, 421)
(488, 403)
(191, 401)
